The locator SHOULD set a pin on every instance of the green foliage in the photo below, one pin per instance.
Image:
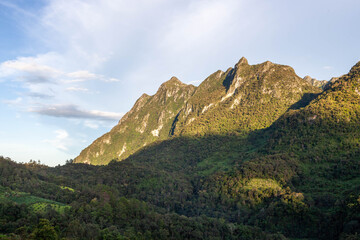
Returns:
(44, 231)
(262, 184)
(67, 188)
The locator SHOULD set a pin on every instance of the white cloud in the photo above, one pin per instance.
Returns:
(112, 80)
(105, 115)
(77, 89)
(44, 68)
(39, 95)
(73, 111)
(91, 124)
(16, 101)
(61, 140)
(82, 75)
(28, 65)
(28, 69)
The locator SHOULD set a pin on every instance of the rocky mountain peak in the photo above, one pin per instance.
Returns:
(173, 88)
(242, 61)
(173, 81)
(308, 78)
(356, 68)
(170, 87)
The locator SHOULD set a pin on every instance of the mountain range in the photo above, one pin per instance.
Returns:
(255, 152)
(240, 100)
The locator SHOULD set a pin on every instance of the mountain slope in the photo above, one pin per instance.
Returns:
(242, 99)
(149, 120)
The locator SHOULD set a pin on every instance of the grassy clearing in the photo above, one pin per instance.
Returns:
(258, 183)
(37, 204)
(42, 207)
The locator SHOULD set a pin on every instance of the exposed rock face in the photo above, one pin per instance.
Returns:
(316, 83)
(242, 99)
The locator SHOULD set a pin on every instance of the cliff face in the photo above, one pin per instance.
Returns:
(244, 98)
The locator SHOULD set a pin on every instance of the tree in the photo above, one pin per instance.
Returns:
(44, 231)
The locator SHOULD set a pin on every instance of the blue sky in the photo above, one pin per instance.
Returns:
(69, 69)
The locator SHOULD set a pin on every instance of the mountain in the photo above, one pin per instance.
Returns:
(240, 100)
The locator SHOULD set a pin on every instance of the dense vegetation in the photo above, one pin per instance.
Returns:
(299, 178)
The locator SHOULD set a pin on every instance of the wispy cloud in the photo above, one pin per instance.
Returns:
(73, 111)
(61, 141)
(39, 69)
(40, 95)
(112, 80)
(77, 89)
(17, 9)
(82, 76)
(16, 101)
(27, 69)
(91, 124)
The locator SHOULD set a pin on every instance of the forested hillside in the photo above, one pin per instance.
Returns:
(283, 164)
